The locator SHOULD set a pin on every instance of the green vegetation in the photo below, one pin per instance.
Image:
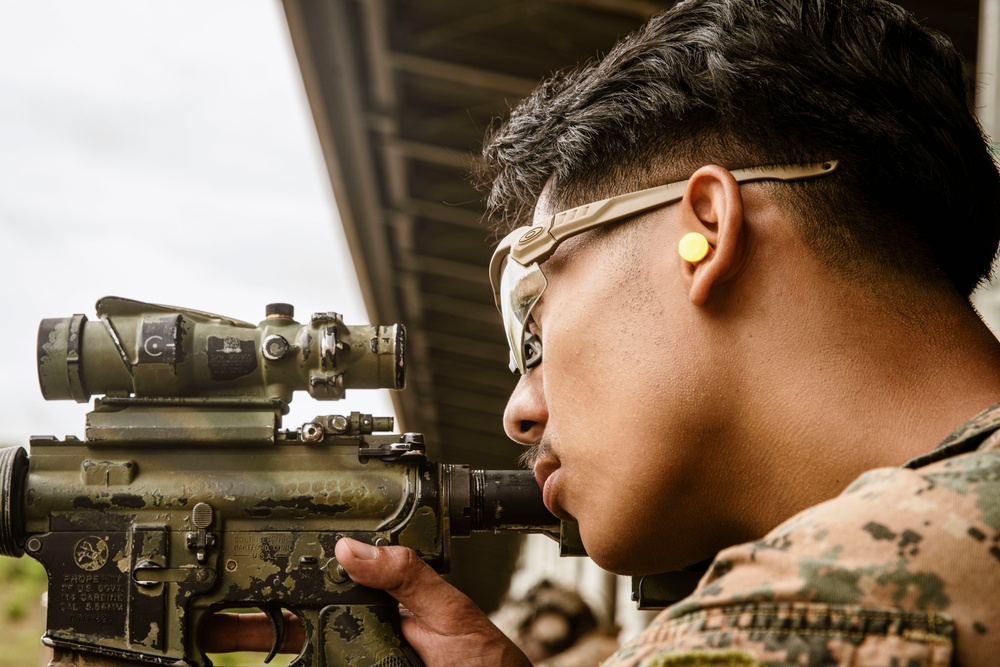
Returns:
(22, 618)
(243, 660)
(247, 660)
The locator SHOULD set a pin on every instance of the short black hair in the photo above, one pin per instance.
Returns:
(756, 82)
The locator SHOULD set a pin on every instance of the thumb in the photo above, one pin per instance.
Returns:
(444, 626)
(401, 573)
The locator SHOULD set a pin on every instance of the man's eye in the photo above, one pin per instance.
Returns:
(532, 351)
(533, 328)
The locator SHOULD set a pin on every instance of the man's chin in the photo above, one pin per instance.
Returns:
(625, 567)
(616, 558)
(635, 560)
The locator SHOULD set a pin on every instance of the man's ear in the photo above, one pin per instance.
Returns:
(713, 207)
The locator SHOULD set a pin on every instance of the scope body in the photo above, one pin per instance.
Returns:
(148, 350)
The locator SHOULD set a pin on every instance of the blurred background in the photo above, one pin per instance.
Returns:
(224, 155)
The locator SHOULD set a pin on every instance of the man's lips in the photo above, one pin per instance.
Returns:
(547, 476)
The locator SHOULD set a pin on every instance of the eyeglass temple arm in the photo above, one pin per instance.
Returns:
(537, 246)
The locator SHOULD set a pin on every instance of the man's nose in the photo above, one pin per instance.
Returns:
(526, 415)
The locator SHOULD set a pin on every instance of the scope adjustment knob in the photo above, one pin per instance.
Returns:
(282, 310)
(274, 347)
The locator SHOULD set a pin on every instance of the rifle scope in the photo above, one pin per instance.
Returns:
(146, 350)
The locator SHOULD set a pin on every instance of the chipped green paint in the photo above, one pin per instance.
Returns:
(186, 497)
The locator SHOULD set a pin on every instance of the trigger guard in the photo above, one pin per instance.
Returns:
(277, 618)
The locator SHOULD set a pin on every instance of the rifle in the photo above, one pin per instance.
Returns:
(186, 497)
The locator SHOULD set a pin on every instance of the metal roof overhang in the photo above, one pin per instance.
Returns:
(401, 92)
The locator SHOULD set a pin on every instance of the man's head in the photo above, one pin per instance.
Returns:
(662, 382)
(742, 83)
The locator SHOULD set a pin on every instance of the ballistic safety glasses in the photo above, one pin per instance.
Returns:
(517, 278)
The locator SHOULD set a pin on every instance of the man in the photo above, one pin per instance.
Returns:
(712, 363)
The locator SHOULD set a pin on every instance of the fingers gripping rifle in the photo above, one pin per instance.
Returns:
(185, 497)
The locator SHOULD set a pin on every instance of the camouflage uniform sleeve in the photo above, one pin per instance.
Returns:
(902, 569)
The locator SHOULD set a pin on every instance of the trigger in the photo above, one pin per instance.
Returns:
(277, 619)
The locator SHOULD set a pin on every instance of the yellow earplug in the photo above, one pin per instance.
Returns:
(693, 247)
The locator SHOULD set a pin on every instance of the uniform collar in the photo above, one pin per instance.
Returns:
(968, 437)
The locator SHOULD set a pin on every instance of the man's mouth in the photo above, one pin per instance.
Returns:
(547, 476)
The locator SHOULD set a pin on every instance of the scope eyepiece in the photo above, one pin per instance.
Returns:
(147, 350)
(495, 501)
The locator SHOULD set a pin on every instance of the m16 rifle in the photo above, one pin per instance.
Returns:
(186, 497)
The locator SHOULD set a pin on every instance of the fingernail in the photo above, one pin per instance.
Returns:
(363, 551)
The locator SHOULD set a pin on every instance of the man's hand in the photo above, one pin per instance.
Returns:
(442, 624)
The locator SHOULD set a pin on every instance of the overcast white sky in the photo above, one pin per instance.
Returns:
(162, 152)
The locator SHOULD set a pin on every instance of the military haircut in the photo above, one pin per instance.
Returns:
(744, 83)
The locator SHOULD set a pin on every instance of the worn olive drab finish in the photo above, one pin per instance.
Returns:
(142, 349)
(186, 497)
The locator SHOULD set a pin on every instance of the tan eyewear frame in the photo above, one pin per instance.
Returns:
(536, 243)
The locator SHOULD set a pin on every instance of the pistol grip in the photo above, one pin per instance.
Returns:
(355, 635)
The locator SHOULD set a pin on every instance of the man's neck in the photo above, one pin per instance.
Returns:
(871, 389)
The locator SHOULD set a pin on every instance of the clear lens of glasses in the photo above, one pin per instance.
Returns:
(520, 289)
